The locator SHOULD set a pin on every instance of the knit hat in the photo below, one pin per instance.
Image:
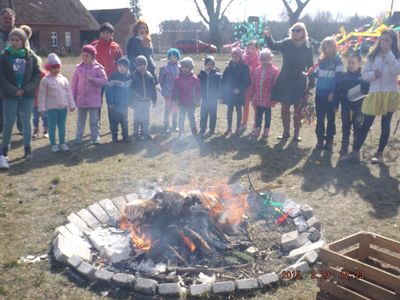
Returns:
(237, 51)
(209, 58)
(53, 61)
(27, 30)
(141, 61)
(20, 34)
(125, 62)
(187, 62)
(266, 53)
(173, 52)
(90, 49)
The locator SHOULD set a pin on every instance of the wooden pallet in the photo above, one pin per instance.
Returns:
(363, 266)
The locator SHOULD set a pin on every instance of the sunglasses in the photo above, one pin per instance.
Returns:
(297, 30)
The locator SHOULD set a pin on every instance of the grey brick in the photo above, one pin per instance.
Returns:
(110, 209)
(120, 203)
(314, 222)
(297, 253)
(267, 279)
(246, 284)
(89, 219)
(146, 286)
(100, 214)
(124, 280)
(78, 222)
(74, 229)
(87, 270)
(103, 275)
(170, 289)
(197, 290)
(223, 287)
(315, 234)
(306, 211)
(74, 261)
(289, 240)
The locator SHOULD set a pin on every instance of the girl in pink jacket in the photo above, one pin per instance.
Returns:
(262, 82)
(54, 99)
(88, 78)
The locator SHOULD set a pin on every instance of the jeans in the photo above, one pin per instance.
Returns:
(352, 116)
(93, 120)
(57, 118)
(22, 106)
(325, 108)
(141, 117)
(208, 110)
(189, 111)
(238, 115)
(365, 127)
(259, 116)
(36, 117)
(116, 117)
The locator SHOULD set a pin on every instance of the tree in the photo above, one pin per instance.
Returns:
(294, 15)
(135, 8)
(215, 13)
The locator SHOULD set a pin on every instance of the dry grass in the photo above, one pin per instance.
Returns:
(36, 196)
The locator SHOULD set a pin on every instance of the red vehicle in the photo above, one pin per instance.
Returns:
(194, 46)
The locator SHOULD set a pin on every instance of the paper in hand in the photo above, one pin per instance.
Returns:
(355, 94)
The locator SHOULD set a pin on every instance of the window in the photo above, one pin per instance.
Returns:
(68, 39)
(54, 39)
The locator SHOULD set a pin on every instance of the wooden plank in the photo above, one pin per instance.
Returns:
(352, 253)
(385, 242)
(345, 242)
(362, 286)
(337, 260)
(385, 257)
(339, 292)
(364, 246)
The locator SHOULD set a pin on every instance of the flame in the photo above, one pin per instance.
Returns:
(188, 242)
(141, 241)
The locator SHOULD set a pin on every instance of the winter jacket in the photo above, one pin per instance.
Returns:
(291, 83)
(168, 74)
(262, 82)
(327, 74)
(134, 49)
(348, 81)
(144, 87)
(235, 76)
(253, 61)
(88, 94)
(118, 91)
(8, 79)
(390, 69)
(186, 90)
(210, 85)
(108, 53)
(55, 93)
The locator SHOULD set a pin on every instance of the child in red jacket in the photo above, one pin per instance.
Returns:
(187, 93)
(262, 81)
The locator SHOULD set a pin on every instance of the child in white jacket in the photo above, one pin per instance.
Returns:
(381, 70)
(55, 98)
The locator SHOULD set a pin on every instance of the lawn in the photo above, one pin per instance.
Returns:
(37, 195)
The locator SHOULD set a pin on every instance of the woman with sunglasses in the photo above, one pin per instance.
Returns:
(297, 54)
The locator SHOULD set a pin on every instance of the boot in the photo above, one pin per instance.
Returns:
(344, 149)
(378, 158)
(353, 156)
(320, 144)
(266, 133)
(328, 145)
(256, 133)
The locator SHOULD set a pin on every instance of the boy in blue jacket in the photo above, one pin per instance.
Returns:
(117, 95)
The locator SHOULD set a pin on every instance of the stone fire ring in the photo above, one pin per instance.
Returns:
(72, 249)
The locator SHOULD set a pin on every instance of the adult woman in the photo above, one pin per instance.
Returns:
(140, 44)
(297, 56)
(381, 70)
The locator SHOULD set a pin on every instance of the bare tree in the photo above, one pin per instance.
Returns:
(215, 13)
(294, 15)
(135, 8)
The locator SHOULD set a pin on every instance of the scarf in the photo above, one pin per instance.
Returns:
(145, 40)
(20, 53)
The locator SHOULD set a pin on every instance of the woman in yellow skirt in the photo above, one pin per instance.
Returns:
(381, 70)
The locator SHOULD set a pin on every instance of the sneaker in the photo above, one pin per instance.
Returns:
(137, 137)
(284, 136)
(238, 132)
(242, 128)
(35, 133)
(297, 139)
(126, 140)
(45, 133)
(344, 149)
(266, 133)
(64, 147)
(228, 132)
(28, 152)
(147, 137)
(353, 156)
(96, 141)
(55, 148)
(202, 133)
(378, 158)
(320, 145)
(78, 142)
(256, 133)
(328, 145)
(4, 163)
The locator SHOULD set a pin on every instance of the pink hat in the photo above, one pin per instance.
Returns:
(90, 49)
(266, 53)
(237, 51)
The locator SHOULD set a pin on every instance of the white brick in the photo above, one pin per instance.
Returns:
(100, 214)
(89, 219)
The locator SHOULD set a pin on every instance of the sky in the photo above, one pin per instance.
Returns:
(155, 11)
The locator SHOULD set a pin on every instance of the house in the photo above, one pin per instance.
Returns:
(57, 25)
(121, 18)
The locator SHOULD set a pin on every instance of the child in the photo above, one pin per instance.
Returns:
(37, 116)
(381, 71)
(327, 73)
(187, 93)
(144, 93)
(88, 78)
(210, 80)
(55, 98)
(19, 79)
(250, 58)
(118, 94)
(168, 74)
(235, 81)
(262, 82)
(351, 108)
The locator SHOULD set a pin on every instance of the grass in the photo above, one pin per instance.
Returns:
(37, 195)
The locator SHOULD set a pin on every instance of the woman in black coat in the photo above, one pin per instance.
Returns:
(297, 54)
(140, 44)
